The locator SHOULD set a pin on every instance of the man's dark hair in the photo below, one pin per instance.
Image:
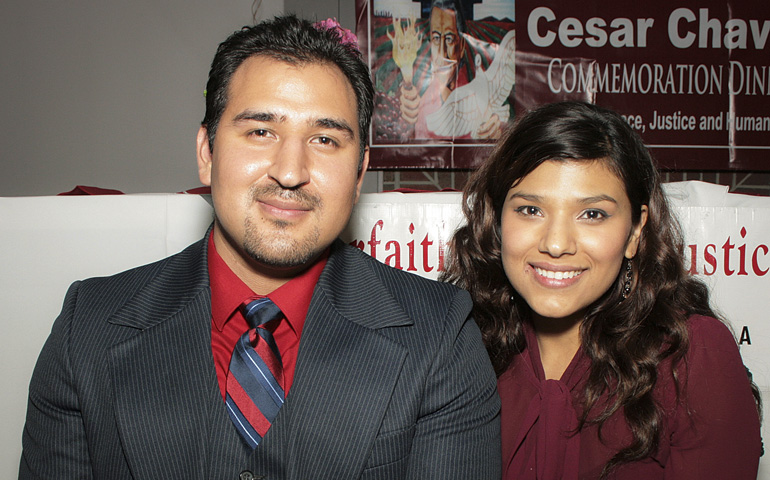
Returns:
(294, 41)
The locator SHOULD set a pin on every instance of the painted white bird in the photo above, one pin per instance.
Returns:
(470, 105)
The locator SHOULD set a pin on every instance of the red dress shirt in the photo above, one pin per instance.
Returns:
(711, 432)
(228, 292)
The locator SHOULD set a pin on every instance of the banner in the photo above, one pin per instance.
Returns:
(727, 245)
(406, 231)
(693, 78)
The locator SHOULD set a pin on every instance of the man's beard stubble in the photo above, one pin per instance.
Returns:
(271, 244)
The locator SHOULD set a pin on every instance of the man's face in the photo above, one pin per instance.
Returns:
(445, 41)
(284, 170)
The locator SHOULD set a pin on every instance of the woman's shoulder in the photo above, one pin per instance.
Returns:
(709, 332)
(713, 358)
(714, 428)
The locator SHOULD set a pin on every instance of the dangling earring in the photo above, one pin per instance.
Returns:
(627, 283)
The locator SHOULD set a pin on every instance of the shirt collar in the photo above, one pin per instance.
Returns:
(228, 291)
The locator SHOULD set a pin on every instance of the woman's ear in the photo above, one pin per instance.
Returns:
(636, 234)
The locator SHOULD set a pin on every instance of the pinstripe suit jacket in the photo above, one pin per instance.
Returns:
(391, 382)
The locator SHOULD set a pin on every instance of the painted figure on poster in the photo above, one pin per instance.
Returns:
(459, 92)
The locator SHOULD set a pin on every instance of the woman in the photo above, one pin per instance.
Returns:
(610, 362)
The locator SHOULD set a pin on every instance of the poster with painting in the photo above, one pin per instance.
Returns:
(692, 78)
(444, 74)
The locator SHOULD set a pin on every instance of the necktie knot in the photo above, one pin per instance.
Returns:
(260, 311)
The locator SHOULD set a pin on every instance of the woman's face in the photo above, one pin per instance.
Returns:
(566, 228)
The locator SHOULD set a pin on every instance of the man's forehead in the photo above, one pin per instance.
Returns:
(248, 100)
(268, 61)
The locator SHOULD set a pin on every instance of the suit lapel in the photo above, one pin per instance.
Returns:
(162, 382)
(167, 401)
(346, 372)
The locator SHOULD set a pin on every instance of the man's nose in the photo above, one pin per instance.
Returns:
(290, 165)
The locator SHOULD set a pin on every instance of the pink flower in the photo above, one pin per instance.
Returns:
(346, 36)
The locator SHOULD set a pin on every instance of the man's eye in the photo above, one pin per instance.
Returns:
(326, 141)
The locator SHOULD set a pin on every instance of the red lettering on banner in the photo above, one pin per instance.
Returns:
(411, 251)
(755, 264)
(432, 252)
(693, 259)
(727, 247)
(742, 250)
(711, 259)
(440, 254)
(394, 260)
(425, 244)
(373, 242)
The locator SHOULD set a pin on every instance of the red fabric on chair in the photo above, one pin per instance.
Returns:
(86, 190)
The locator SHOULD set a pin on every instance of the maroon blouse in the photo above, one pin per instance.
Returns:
(718, 438)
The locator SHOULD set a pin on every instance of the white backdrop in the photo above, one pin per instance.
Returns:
(48, 242)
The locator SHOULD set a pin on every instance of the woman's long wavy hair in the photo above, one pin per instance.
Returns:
(625, 339)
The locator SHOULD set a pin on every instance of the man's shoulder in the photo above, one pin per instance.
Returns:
(100, 312)
(168, 281)
(356, 276)
(398, 279)
(181, 263)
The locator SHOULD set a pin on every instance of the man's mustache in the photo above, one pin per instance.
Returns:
(295, 195)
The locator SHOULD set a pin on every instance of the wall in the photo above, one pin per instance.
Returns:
(109, 93)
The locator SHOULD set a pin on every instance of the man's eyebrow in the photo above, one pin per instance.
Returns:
(257, 117)
(330, 123)
(334, 124)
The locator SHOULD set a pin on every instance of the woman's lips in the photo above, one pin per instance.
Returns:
(557, 276)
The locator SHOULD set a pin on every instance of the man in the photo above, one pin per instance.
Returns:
(364, 371)
(448, 71)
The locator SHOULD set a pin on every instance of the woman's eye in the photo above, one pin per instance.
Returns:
(528, 210)
(594, 215)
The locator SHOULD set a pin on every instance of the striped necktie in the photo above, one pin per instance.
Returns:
(254, 383)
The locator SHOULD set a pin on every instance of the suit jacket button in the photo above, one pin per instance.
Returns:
(247, 475)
